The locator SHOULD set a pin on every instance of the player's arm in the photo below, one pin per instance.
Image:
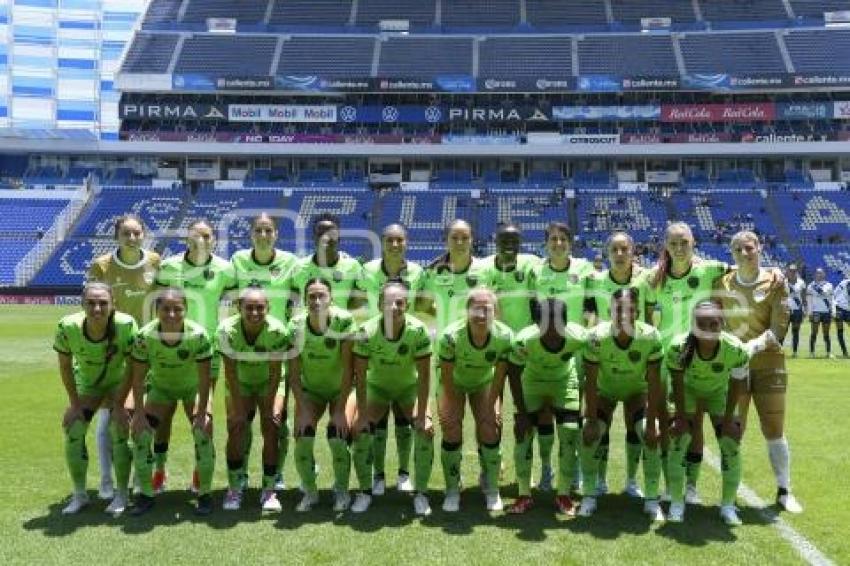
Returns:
(231, 377)
(780, 313)
(499, 377)
(515, 383)
(294, 377)
(66, 372)
(423, 372)
(591, 401)
(360, 367)
(202, 411)
(275, 370)
(737, 386)
(655, 397)
(677, 378)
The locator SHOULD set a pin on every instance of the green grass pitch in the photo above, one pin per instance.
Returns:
(34, 485)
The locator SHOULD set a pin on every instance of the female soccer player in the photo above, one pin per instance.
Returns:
(391, 265)
(321, 377)
(842, 311)
(622, 366)
(130, 271)
(473, 358)
(622, 273)
(543, 375)
(175, 354)
(796, 289)
(264, 265)
(709, 368)
(679, 281)
(392, 367)
(205, 278)
(563, 277)
(93, 347)
(755, 300)
(819, 294)
(252, 345)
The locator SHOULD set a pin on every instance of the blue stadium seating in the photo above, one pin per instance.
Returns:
(732, 53)
(21, 223)
(627, 55)
(162, 11)
(819, 50)
(545, 14)
(236, 55)
(811, 215)
(247, 11)
(425, 57)
(743, 10)
(834, 259)
(311, 12)
(531, 57)
(814, 9)
(156, 207)
(150, 53)
(481, 14)
(327, 56)
(420, 13)
(631, 11)
(70, 262)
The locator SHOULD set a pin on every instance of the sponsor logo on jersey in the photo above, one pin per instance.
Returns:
(717, 367)
(634, 356)
(208, 274)
(471, 280)
(490, 356)
(519, 276)
(330, 343)
(274, 271)
(337, 276)
(148, 277)
(566, 357)
(759, 295)
(693, 282)
(183, 354)
(403, 349)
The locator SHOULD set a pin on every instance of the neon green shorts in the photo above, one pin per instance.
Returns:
(621, 390)
(321, 396)
(258, 389)
(405, 396)
(103, 389)
(714, 404)
(558, 394)
(158, 394)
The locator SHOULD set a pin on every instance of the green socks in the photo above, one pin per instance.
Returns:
(676, 467)
(76, 454)
(423, 461)
(633, 450)
(545, 443)
(341, 462)
(160, 455)
(450, 457)
(569, 439)
(204, 460)
(122, 457)
(403, 442)
(143, 460)
(491, 459)
(523, 458)
(234, 473)
(304, 462)
(730, 460)
(379, 447)
(282, 445)
(361, 453)
(693, 464)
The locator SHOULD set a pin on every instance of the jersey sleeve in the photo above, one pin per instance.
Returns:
(673, 356)
(507, 347)
(131, 329)
(592, 352)
(163, 277)
(60, 340)
(422, 347)
(228, 274)
(361, 347)
(203, 347)
(140, 348)
(519, 352)
(446, 348)
(740, 363)
(655, 349)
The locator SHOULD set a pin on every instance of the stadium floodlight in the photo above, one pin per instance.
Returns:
(221, 25)
(648, 25)
(837, 19)
(401, 27)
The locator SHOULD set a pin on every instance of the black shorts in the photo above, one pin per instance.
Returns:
(842, 315)
(821, 318)
(796, 317)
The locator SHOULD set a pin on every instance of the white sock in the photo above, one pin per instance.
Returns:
(780, 461)
(104, 446)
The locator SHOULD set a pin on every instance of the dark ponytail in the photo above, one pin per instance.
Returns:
(688, 352)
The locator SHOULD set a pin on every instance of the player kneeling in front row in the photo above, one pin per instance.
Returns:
(252, 345)
(622, 365)
(175, 354)
(544, 375)
(321, 377)
(709, 368)
(473, 360)
(93, 347)
(392, 357)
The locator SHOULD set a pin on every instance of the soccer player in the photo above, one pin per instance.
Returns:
(320, 374)
(709, 368)
(842, 310)
(205, 278)
(392, 364)
(175, 354)
(263, 265)
(622, 366)
(130, 271)
(563, 277)
(622, 273)
(92, 347)
(755, 300)
(796, 289)
(392, 265)
(820, 295)
(679, 281)
(543, 374)
(473, 358)
(252, 345)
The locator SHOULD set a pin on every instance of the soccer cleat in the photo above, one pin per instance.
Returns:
(522, 504)
(195, 486)
(493, 501)
(692, 495)
(379, 485)
(159, 480)
(653, 509)
(232, 500)
(405, 484)
(421, 506)
(546, 478)
(118, 504)
(307, 502)
(361, 502)
(279, 483)
(601, 487)
(142, 505)
(565, 506)
(730, 515)
(204, 506)
(342, 499)
(587, 507)
(676, 513)
(788, 502)
(451, 504)
(107, 489)
(270, 502)
(79, 501)
(633, 490)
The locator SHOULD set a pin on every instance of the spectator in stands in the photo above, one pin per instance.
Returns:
(820, 303)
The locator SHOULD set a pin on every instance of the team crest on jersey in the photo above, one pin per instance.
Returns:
(330, 343)
(490, 356)
(403, 349)
(566, 357)
(717, 367)
(337, 276)
(471, 280)
(183, 354)
(519, 276)
(759, 295)
(274, 272)
(634, 356)
(208, 274)
(693, 282)
(140, 342)
(573, 278)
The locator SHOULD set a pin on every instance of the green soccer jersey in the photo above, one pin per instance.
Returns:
(272, 276)
(204, 285)
(544, 365)
(172, 366)
(392, 363)
(321, 354)
(375, 276)
(449, 291)
(600, 287)
(513, 287)
(568, 285)
(707, 378)
(678, 296)
(90, 357)
(252, 358)
(342, 276)
(473, 366)
(622, 366)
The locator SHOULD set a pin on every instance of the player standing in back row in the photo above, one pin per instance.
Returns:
(796, 289)
(820, 302)
(842, 311)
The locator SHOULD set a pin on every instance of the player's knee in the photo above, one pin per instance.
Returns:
(451, 431)
(772, 430)
(450, 445)
(567, 417)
